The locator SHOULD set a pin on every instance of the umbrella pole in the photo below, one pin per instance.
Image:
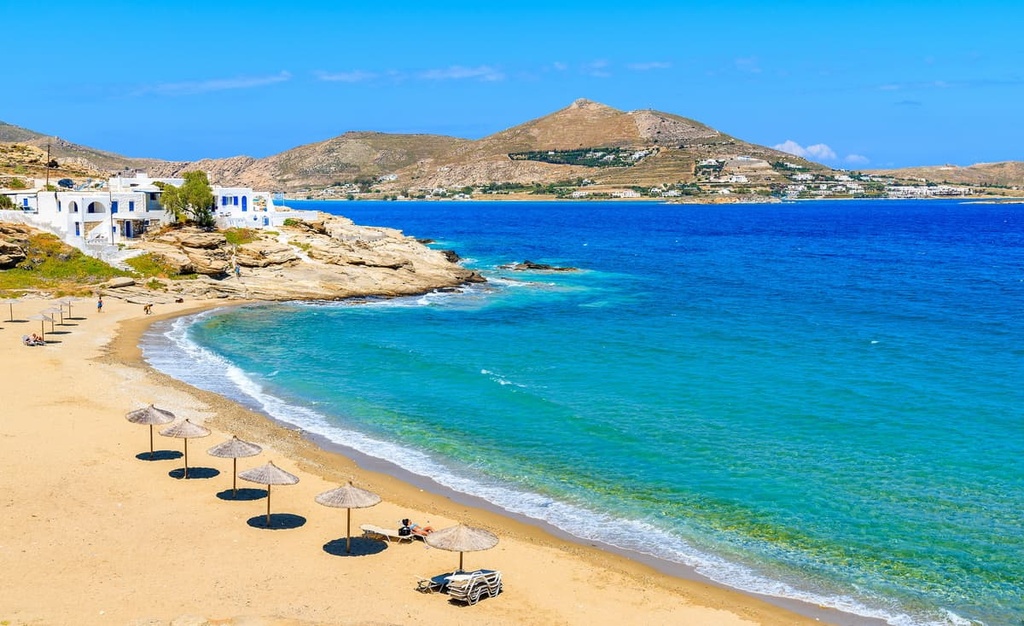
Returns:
(268, 506)
(42, 328)
(234, 478)
(460, 561)
(11, 304)
(150, 442)
(348, 533)
(186, 457)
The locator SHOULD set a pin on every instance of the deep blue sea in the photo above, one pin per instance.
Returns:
(816, 400)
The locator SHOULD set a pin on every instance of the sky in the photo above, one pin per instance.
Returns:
(849, 84)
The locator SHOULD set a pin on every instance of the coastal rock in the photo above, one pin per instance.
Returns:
(119, 282)
(530, 266)
(265, 253)
(10, 254)
(326, 258)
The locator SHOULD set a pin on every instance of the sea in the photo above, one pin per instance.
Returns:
(821, 400)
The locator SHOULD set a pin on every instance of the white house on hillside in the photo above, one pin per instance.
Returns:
(130, 205)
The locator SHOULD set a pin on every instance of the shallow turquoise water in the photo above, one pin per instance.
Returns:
(813, 400)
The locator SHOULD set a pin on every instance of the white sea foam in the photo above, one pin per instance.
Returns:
(169, 349)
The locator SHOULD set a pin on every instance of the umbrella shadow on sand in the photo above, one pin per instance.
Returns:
(278, 521)
(194, 473)
(159, 455)
(361, 546)
(242, 495)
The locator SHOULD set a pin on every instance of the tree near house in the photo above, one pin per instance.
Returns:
(192, 201)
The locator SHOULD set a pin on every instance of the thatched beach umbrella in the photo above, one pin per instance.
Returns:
(67, 302)
(234, 449)
(462, 539)
(58, 311)
(348, 497)
(185, 430)
(10, 304)
(268, 474)
(43, 318)
(152, 416)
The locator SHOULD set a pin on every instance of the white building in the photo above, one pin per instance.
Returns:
(130, 205)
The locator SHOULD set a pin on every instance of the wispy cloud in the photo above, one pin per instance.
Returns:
(749, 65)
(561, 67)
(652, 65)
(909, 103)
(191, 88)
(355, 76)
(856, 159)
(484, 73)
(597, 69)
(817, 151)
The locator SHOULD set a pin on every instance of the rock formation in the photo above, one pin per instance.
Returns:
(328, 258)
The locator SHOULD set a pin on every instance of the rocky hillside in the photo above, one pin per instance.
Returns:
(637, 148)
(328, 258)
(1004, 174)
(324, 259)
(345, 158)
(593, 141)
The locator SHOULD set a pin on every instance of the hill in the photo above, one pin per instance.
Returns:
(586, 145)
(599, 143)
(1004, 174)
(346, 158)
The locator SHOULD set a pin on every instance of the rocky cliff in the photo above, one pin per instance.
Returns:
(328, 258)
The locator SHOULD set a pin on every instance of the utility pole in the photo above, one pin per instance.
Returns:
(47, 163)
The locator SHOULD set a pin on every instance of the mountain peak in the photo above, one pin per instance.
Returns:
(583, 103)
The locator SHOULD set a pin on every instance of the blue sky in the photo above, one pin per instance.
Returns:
(854, 84)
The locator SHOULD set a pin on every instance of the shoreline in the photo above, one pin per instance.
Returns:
(413, 490)
(96, 533)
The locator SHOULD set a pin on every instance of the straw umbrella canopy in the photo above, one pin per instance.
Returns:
(348, 497)
(185, 430)
(234, 449)
(56, 310)
(10, 304)
(268, 474)
(462, 539)
(43, 318)
(67, 302)
(152, 416)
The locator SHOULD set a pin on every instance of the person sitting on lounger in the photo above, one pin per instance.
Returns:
(412, 528)
(34, 340)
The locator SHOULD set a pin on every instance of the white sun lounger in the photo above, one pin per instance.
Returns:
(469, 587)
(376, 532)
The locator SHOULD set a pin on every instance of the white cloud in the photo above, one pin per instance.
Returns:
(748, 64)
(857, 159)
(653, 65)
(217, 84)
(817, 151)
(459, 72)
(355, 76)
(597, 69)
(561, 67)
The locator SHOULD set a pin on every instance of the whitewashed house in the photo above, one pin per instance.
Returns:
(129, 205)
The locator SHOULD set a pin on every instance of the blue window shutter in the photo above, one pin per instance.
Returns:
(113, 206)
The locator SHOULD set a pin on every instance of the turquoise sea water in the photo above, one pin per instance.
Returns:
(816, 400)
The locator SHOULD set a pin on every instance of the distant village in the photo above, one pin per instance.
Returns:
(715, 180)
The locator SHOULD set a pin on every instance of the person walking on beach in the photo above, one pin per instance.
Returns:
(99, 304)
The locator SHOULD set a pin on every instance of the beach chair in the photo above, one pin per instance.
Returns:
(470, 587)
(376, 532)
(433, 584)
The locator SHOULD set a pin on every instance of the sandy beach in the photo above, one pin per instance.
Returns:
(92, 532)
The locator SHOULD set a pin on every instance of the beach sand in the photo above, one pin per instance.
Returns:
(90, 533)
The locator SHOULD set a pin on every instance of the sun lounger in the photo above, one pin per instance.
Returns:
(437, 583)
(469, 587)
(376, 532)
